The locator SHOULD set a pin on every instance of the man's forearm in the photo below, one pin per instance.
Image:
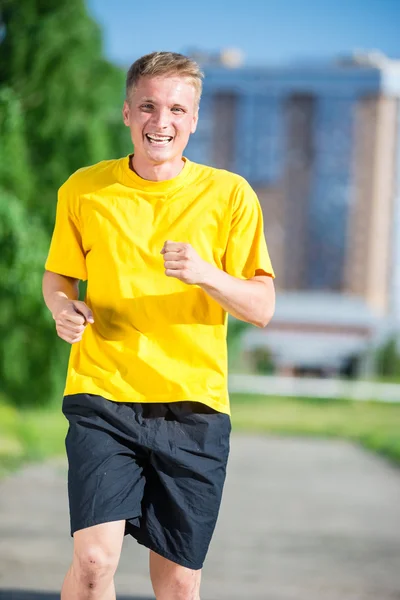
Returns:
(58, 288)
(251, 300)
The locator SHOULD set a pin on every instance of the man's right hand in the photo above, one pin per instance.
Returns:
(71, 317)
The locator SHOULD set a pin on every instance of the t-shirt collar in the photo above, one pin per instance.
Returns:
(132, 179)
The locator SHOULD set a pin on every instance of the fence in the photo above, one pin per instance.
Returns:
(314, 388)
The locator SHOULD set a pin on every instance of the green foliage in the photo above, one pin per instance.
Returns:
(387, 360)
(32, 359)
(262, 360)
(236, 330)
(60, 109)
(15, 173)
(51, 58)
(29, 434)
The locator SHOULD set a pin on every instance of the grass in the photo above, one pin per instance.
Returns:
(29, 435)
(36, 434)
(375, 425)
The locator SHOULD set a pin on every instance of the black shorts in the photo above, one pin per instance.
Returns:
(159, 466)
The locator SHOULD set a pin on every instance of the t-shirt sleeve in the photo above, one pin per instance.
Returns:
(66, 255)
(247, 253)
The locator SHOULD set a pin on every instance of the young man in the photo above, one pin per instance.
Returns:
(168, 248)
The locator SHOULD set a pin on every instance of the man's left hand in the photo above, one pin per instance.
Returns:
(182, 261)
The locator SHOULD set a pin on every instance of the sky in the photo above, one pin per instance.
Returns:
(268, 32)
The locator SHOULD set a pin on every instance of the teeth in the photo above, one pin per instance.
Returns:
(159, 138)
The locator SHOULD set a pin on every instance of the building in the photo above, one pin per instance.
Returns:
(321, 147)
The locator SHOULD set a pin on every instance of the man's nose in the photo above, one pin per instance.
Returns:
(161, 118)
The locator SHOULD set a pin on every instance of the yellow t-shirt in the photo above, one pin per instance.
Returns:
(154, 338)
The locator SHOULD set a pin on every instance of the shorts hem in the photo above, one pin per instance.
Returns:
(149, 545)
(93, 522)
(179, 561)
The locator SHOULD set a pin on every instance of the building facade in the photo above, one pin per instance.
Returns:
(321, 147)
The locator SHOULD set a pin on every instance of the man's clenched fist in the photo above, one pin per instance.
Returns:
(71, 317)
(182, 261)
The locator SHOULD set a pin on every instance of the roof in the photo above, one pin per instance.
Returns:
(307, 350)
(313, 348)
(343, 79)
(324, 308)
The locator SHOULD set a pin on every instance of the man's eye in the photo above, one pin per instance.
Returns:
(177, 109)
(147, 106)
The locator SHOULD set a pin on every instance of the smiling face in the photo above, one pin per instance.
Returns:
(161, 114)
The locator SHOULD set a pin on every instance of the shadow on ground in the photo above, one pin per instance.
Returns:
(22, 595)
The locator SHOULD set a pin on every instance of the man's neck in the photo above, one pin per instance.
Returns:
(154, 172)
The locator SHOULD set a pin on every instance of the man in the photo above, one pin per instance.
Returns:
(168, 248)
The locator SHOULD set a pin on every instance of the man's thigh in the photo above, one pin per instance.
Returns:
(184, 483)
(105, 479)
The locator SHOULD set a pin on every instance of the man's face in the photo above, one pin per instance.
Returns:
(161, 114)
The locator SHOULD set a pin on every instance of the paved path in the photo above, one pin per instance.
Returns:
(300, 520)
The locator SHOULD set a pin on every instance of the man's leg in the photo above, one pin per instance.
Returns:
(96, 555)
(173, 582)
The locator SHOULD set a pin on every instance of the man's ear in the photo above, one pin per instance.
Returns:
(126, 113)
(194, 122)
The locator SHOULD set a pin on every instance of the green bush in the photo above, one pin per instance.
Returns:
(60, 106)
(387, 361)
(32, 358)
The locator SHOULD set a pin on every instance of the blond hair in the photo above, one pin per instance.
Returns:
(159, 64)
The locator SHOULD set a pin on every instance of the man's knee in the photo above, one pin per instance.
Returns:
(94, 567)
(96, 555)
(185, 587)
(179, 585)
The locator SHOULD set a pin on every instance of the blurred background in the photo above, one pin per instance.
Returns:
(300, 98)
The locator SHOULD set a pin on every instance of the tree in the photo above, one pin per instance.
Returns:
(15, 172)
(32, 359)
(60, 105)
(51, 57)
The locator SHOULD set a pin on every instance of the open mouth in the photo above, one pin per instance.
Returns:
(158, 140)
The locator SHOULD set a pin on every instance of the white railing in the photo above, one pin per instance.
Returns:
(314, 388)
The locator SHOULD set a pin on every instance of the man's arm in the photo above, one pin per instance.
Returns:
(251, 300)
(61, 295)
(57, 289)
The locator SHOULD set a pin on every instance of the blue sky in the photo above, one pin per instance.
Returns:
(267, 31)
